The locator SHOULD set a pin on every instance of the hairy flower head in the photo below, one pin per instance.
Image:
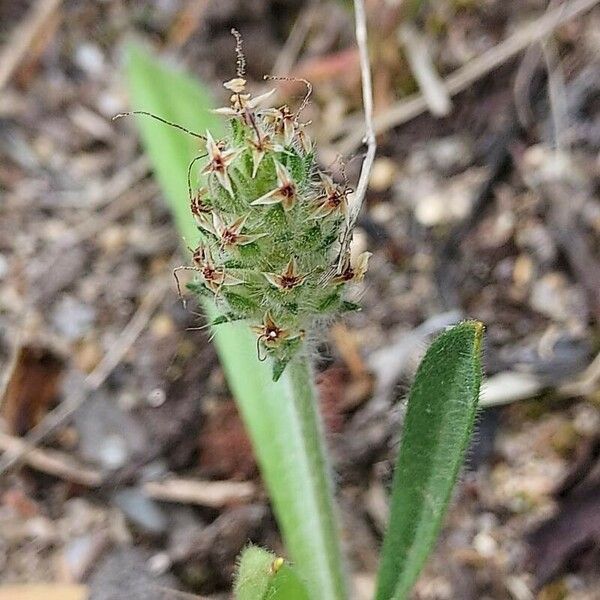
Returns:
(271, 225)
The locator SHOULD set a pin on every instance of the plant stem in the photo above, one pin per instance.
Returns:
(287, 434)
(304, 397)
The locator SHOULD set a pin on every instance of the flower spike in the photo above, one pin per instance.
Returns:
(280, 270)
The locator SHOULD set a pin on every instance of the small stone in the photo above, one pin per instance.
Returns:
(159, 563)
(109, 436)
(72, 318)
(113, 452)
(383, 174)
(113, 239)
(552, 296)
(485, 545)
(80, 553)
(162, 325)
(156, 397)
(450, 154)
(523, 270)
(382, 213)
(141, 511)
(450, 201)
(124, 573)
(89, 58)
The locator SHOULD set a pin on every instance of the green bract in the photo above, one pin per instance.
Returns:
(270, 226)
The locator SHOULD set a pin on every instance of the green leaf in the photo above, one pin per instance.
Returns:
(263, 576)
(350, 307)
(171, 95)
(437, 428)
(281, 417)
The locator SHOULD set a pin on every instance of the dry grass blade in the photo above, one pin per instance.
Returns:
(215, 494)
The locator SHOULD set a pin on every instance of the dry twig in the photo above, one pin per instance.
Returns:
(290, 51)
(214, 494)
(23, 37)
(367, 91)
(421, 64)
(50, 461)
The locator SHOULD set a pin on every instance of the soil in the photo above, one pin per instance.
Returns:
(490, 212)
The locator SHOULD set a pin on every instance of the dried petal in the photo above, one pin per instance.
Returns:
(236, 85)
(285, 192)
(353, 270)
(289, 279)
(334, 199)
(219, 161)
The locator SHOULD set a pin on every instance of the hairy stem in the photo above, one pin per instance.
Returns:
(303, 391)
(287, 433)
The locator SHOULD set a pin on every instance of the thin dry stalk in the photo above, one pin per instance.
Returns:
(367, 92)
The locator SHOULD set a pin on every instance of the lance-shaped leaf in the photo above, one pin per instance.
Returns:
(437, 429)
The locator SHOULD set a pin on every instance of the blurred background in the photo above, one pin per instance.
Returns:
(139, 481)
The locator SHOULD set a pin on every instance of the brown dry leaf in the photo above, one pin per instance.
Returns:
(32, 386)
(44, 591)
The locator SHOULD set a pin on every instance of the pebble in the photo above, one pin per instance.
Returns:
(89, 58)
(80, 553)
(485, 545)
(112, 452)
(109, 436)
(156, 397)
(123, 573)
(162, 325)
(112, 240)
(141, 511)
(450, 201)
(450, 153)
(551, 295)
(72, 318)
(383, 174)
(382, 213)
(522, 270)
(3, 266)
